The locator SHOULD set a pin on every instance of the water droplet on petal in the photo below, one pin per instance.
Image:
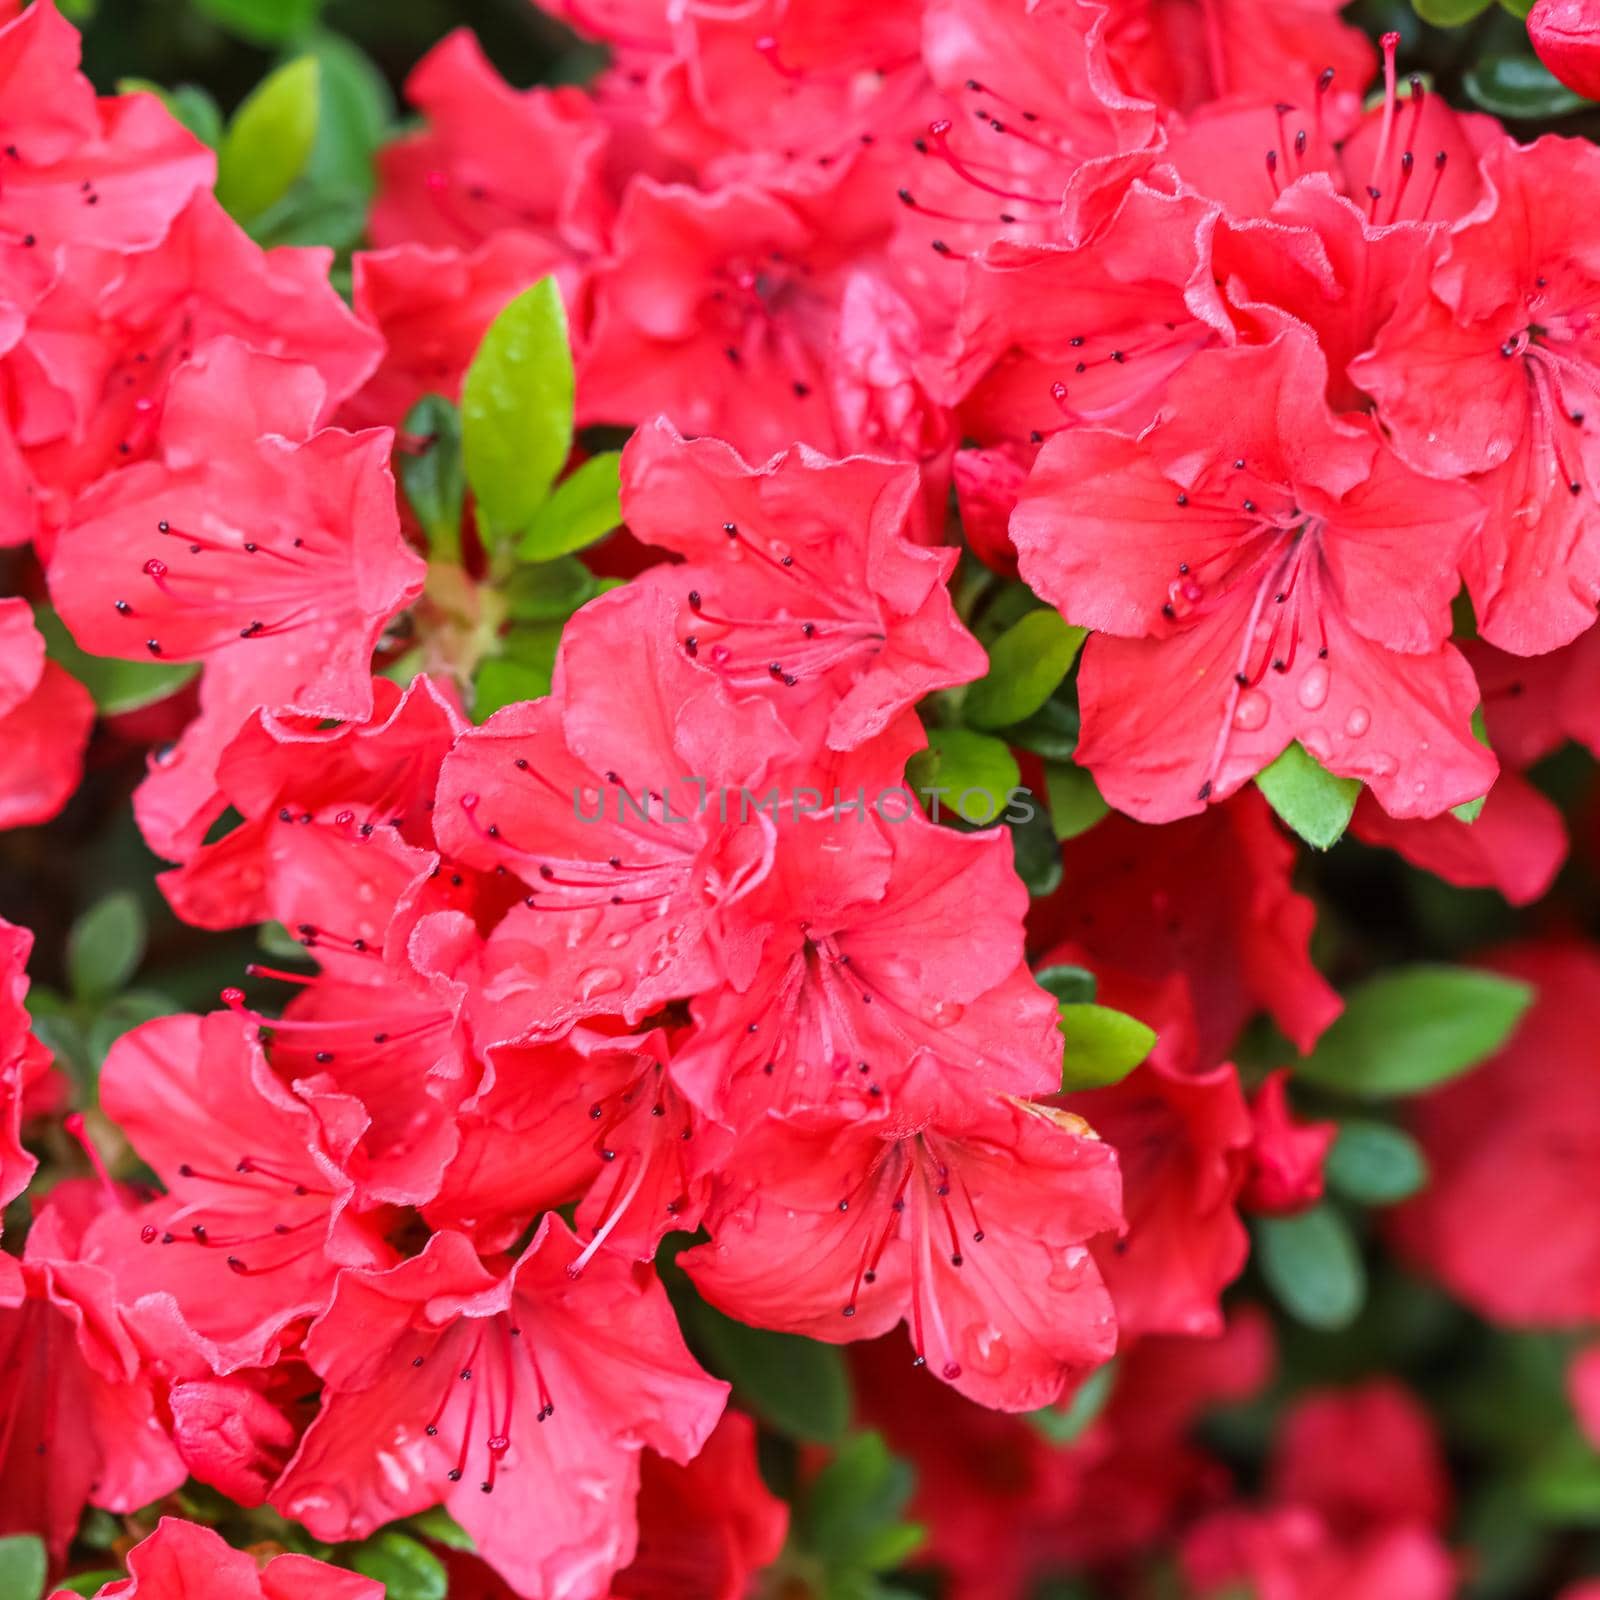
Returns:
(1314, 686)
(1252, 710)
(598, 980)
(1357, 723)
(941, 1013)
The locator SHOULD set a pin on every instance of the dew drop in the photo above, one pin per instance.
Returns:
(1357, 723)
(598, 980)
(1252, 710)
(1313, 689)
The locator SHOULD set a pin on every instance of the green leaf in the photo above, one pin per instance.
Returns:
(1026, 663)
(516, 409)
(584, 507)
(431, 472)
(1375, 1164)
(969, 774)
(1312, 1264)
(1518, 8)
(1519, 87)
(1309, 799)
(1052, 731)
(106, 945)
(1070, 985)
(439, 1526)
(1470, 810)
(852, 1502)
(1450, 13)
(1413, 1027)
(116, 686)
(356, 108)
(1035, 850)
(1102, 1046)
(270, 139)
(407, 1569)
(1075, 801)
(550, 591)
(264, 22)
(521, 671)
(1067, 1424)
(798, 1386)
(22, 1567)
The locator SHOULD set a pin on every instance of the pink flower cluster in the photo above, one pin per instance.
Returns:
(1238, 374)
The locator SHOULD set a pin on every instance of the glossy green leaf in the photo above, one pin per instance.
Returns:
(1102, 1046)
(852, 1502)
(522, 670)
(1313, 1266)
(798, 1386)
(264, 22)
(1067, 1424)
(584, 507)
(1450, 13)
(22, 1567)
(969, 775)
(269, 141)
(516, 410)
(106, 945)
(550, 591)
(407, 1569)
(431, 472)
(1035, 850)
(1026, 663)
(439, 1526)
(1519, 87)
(115, 686)
(355, 112)
(1076, 804)
(1413, 1027)
(1052, 731)
(1070, 985)
(1375, 1164)
(1308, 798)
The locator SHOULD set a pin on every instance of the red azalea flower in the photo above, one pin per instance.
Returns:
(111, 173)
(1050, 336)
(1516, 845)
(1261, 572)
(522, 1402)
(621, 816)
(1183, 1147)
(471, 173)
(77, 1420)
(889, 952)
(182, 1558)
(1491, 367)
(348, 805)
(432, 306)
(1512, 1150)
(818, 591)
(23, 1060)
(1286, 1154)
(705, 1528)
(1566, 36)
(1583, 1383)
(1406, 161)
(1210, 898)
(1184, 53)
(718, 310)
(971, 1227)
(90, 375)
(594, 1118)
(255, 1224)
(237, 1433)
(255, 543)
(45, 719)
